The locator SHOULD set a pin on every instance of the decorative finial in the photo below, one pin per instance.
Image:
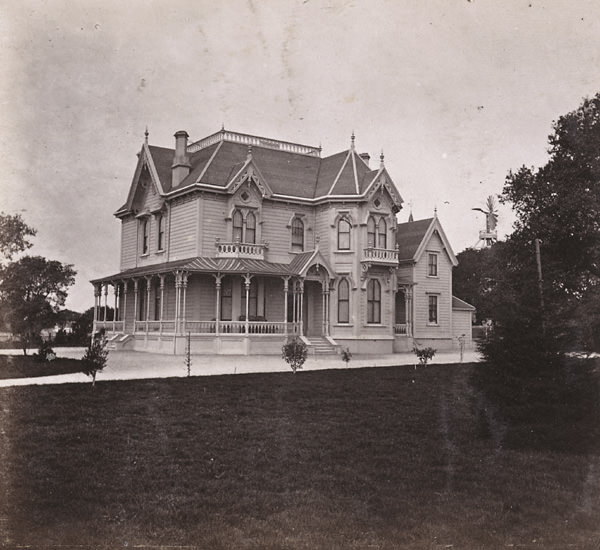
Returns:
(410, 217)
(249, 155)
(381, 159)
(222, 126)
(352, 140)
(435, 211)
(146, 134)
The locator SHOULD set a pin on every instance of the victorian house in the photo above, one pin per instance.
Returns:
(237, 242)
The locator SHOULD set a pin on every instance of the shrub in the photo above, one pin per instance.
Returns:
(45, 353)
(424, 354)
(95, 356)
(294, 351)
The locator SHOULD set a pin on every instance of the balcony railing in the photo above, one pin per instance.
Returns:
(380, 256)
(241, 250)
(400, 328)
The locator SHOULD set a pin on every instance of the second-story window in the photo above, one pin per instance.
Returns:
(160, 232)
(371, 232)
(432, 267)
(250, 228)
(381, 234)
(344, 234)
(238, 227)
(145, 229)
(297, 235)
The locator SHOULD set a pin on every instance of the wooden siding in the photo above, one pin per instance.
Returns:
(183, 229)
(201, 298)
(213, 222)
(461, 324)
(128, 242)
(275, 219)
(441, 286)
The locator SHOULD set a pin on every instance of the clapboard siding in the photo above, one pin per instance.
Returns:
(462, 325)
(201, 298)
(323, 220)
(128, 243)
(183, 229)
(274, 306)
(275, 224)
(440, 286)
(213, 223)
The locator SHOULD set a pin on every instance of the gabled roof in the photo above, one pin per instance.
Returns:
(459, 304)
(290, 171)
(412, 239)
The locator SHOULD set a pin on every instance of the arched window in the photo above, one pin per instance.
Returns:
(344, 234)
(371, 232)
(382, 234)
(160, 232)
(297, 235)
(250, 228)
(373, 301)
(343, 301)
(238, 226)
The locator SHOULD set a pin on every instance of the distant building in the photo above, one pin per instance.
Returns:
(240, 241)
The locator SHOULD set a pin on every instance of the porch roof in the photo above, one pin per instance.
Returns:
(203, 264)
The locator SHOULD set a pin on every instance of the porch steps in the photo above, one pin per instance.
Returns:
(321, 346)
(117, 341)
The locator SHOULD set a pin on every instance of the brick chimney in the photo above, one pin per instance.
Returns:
(366, 157)
(181, 162)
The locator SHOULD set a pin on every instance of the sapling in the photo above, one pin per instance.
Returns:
(294, 351)
(96, 356)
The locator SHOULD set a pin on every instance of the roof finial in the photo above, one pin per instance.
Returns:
(410, 216)
(249, 155)
(381, 159)
(146, 134)
(222, 126)
(435, 211)
(352, 140)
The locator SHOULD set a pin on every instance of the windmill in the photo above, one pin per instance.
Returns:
(488, 236)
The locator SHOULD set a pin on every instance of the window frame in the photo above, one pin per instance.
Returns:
(145, 236)
(250, 230)
(371, 233)
(373, 302)
(226, 298)
(432, 266)
(382, 235)
(160, 233)
(340, 233)
(433, 305)
(343, 301)
(235, 229)
(297, 234)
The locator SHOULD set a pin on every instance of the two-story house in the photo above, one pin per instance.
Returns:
(237, 242)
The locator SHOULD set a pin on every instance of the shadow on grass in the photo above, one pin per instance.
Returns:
(26, 366)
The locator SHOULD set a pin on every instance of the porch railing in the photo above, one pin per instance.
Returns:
(111, 326)
(209, 327)
(401, 328)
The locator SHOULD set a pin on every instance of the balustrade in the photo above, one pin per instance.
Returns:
(241, 250)
(380, 255)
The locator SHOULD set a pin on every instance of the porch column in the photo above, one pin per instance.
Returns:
(300, 304)
(105, 302)
(294, 308)
(327, 308)
(96, 305)
(162, 303)
(125, 288)
(285, 304)
(135, 302)
(408, 295)
(323, 312)
(218, 277)
(184, 284)
(116, 293)
(247, 279)
(177, 299)
(148, 289)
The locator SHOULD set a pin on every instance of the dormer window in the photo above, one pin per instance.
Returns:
(297, 235)
(344, 228)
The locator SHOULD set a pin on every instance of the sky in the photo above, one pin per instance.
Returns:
(456, 93)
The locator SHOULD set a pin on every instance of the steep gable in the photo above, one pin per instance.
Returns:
(412, 239)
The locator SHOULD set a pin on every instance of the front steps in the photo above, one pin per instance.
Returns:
(118, 341)
(321, 346)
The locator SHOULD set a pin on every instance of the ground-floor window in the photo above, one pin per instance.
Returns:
(433, 309)
(226, 299)
(373, 301)
(344, 301)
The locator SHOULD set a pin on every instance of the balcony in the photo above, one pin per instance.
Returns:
(241, 250)
(380, 256)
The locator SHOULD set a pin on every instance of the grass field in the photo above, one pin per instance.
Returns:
(21, 366)
(364, 458)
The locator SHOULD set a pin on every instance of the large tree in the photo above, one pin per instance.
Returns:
(31, 291)
(559, 204)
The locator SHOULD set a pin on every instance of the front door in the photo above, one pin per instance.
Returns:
(313, 309)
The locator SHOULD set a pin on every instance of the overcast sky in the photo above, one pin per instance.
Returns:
(455, 92)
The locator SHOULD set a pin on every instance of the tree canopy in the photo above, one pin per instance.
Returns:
(14, 235)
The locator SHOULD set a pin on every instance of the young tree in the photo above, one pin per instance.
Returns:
(294, 352)
(31, 291)
(96, 356)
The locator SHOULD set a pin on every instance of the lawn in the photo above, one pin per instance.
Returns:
(359, 458)
(26, 366)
